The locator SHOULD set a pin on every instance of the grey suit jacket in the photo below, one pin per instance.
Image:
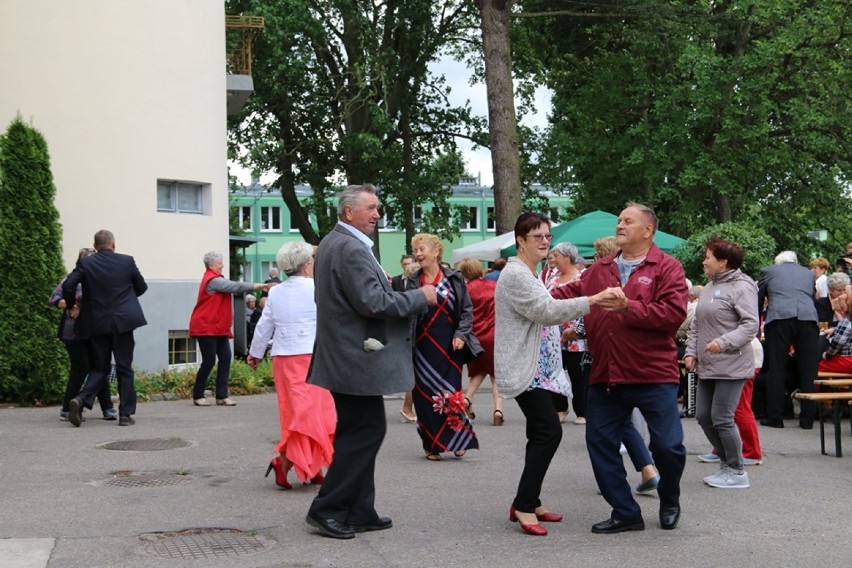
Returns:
(790, 289)
(355, 302)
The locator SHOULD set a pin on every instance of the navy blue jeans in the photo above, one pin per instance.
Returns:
(606, 419)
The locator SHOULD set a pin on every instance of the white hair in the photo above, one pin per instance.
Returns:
(211, 257)
(837, 280)
(293, 256)
(786, 256)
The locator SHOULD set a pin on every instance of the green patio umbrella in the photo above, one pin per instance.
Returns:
(585, 229)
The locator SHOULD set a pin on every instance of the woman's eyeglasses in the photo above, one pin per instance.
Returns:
(540, 238)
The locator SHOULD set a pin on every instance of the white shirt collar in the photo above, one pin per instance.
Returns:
(368, 242)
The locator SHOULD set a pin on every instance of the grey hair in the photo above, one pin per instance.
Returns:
(211, 257)
(567, 250)
(837, 280)
(647, 212)
(351, 196)
(786, 256)
(250, 298)
(293, 256)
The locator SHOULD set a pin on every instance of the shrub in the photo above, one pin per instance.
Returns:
(33, 362)
(759, 249)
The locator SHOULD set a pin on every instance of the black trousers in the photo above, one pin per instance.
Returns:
(79, 356)
(544, 432)
(213, 348)
(804, 337)
(348, 493)
(105, 348)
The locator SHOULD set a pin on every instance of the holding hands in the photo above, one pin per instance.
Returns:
(611, 299)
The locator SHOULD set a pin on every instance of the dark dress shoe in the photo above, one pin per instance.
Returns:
(669, 516)
(379, 524)
(612, 526)
(75, 411)
(806, 424)
(772, 423)
(126, 421)
(330, 527)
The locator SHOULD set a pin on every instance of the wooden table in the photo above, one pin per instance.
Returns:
(835, 398)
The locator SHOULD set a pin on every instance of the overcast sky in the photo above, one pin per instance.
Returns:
(457, 74)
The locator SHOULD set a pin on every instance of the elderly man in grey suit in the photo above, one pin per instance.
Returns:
(362, 351)
(791, 319)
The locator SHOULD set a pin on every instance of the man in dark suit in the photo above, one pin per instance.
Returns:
(362, 351)
(791, 319)
(111, 286)
(396, 281)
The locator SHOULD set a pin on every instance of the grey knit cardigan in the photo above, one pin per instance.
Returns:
(522, 306)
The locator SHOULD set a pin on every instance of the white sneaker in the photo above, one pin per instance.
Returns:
(752, 461)
(726, 478)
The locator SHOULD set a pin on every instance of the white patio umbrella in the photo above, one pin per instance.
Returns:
(487, 250)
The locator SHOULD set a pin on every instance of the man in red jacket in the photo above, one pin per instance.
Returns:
(635, 366)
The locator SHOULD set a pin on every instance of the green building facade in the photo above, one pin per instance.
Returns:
(262, 214)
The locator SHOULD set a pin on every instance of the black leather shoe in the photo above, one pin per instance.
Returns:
(806, 424)
(772, 423)
(331, 527)
(75, 411)
(669, 516)
(379, 524)
(612, 526)
(126, 421)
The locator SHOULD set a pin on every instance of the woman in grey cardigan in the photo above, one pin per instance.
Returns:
(719, 346)
(528, 360)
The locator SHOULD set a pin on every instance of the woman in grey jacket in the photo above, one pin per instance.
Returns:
(719, 347)
(528, 360)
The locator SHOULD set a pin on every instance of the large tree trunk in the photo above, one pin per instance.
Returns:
(502, 122)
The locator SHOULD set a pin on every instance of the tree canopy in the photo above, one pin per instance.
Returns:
(343, 94)
(711, 112)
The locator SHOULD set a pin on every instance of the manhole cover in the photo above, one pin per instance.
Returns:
(146, 479)
(149, 445)
(204, 543)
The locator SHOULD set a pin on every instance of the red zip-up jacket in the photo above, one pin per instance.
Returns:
(636, 346)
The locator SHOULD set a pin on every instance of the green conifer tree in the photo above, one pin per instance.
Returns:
(33, 362)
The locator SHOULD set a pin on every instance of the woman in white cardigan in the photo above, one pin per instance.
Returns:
(306, 412)
(528, 360)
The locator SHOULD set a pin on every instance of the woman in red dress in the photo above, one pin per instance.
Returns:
(482, 297)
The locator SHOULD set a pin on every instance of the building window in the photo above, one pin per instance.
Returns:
(182, 348)
(490, 221)
(180, 197)
(270, 219)
(294, 228)
(244, 217)
(247, 275)
(471, 223)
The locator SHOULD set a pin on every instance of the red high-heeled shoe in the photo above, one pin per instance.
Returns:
(535, 530)
(318, 479)
(546, 517)
(280, 474)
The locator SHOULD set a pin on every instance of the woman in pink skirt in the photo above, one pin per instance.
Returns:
(306, 412)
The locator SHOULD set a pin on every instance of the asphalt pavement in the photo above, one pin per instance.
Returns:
(184, 487)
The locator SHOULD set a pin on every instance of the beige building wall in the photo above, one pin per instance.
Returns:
(126, 93)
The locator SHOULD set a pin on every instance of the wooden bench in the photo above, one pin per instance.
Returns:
(827, 375)
(836, 399)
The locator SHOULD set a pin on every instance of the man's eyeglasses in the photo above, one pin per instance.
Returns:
(540, 238)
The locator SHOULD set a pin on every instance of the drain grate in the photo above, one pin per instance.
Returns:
(204, 543)
(146, 479)
(149, 445)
